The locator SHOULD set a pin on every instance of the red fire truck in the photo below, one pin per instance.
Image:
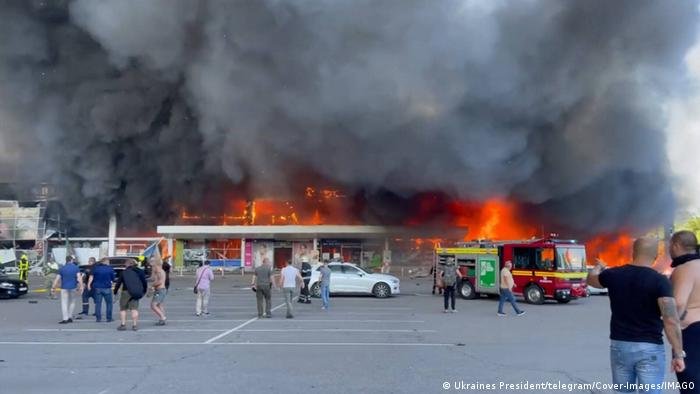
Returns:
(542, 268)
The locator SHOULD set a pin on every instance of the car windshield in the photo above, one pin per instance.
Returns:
(571, 259)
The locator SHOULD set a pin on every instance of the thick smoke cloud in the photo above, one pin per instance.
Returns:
(142, 105)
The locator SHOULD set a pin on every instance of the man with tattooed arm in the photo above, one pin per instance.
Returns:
(642, 306)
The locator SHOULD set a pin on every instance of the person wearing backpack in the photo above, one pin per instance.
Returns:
(450, 273)
(134, 286)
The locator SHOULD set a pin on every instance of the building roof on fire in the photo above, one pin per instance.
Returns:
(275, 232)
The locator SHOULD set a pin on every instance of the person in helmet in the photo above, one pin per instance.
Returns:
(305, 296)
(23, 267)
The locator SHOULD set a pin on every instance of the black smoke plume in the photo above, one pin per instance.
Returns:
(145, 106)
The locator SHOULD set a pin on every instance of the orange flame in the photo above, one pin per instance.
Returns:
(494, 219)
(612, 249)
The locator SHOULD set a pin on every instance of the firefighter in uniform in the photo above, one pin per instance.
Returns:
(50, 270)
(305, 297)
(23, 267)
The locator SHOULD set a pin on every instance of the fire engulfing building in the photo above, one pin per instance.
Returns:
(372, 247)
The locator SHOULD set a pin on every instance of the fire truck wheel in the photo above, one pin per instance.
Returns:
(466, 290)
(316, 290)
(381, 290)
(534, 295)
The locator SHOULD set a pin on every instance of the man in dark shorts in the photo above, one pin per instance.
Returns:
(133, 281)
(642, 305)
(686, 290)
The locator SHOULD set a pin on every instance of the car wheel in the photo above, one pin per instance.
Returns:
(588, 293)
(466, 290)
(381, 290)
(566, 301)
(534, 295)
(316, 290)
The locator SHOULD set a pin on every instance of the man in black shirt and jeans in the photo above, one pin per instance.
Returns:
(642, 305)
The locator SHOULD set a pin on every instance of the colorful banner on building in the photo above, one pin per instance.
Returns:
(263, 250)
(302, 251)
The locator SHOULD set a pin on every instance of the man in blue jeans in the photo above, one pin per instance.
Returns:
(642, 306)
(100, 282)
(506, 290)
(325, 280)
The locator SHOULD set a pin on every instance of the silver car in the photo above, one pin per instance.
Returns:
(348, 278)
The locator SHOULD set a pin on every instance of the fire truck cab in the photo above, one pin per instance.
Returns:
(542, 269)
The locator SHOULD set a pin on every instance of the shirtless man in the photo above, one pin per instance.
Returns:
(159, 293)
(686, 291)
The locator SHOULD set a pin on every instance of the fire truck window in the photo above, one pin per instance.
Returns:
(545, 259)
(523, 258)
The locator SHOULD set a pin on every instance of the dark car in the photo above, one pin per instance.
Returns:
(11, 287)
(119, 263)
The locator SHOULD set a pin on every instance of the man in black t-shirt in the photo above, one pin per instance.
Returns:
(642, 306)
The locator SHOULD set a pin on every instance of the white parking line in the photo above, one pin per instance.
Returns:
(211, 340)
(340, 321)
(329, 330)
(110, 330)
(233, 344)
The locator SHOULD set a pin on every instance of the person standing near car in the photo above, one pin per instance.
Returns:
(448, 277)
(100, 283)
(506, 290)
(23, 268)
(642, 306)
(134, 286)
(325, 279)
(262, 284)
(202, 287)
(71, 285)
(288, 278)
(87, 292)
(305, 297)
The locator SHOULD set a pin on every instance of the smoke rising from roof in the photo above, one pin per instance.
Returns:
(141, 105)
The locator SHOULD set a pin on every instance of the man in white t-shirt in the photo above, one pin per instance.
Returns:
(290, 278)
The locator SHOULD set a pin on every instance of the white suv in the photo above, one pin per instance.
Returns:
(348, 278)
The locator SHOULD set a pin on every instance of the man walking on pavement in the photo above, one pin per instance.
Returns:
(642, 305)
(506, 290)
(87, 293)
(71, 286)
(262, 284)
(325, 279)
(305, 296)
(134, 286)
(686, 291)
(100, 283)
(288, 278)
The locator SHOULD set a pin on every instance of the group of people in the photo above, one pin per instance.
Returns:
(99, 281)
(291, 280)
(645, 303)
(446, 279)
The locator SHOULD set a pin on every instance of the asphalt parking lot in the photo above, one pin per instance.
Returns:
(362, 344)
